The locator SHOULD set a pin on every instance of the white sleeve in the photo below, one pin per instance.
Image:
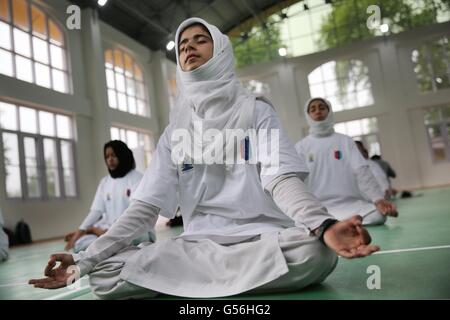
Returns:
(137, 219)
(159, 185)
(275, 151)
(293, 198)
(380, 175)
(91, 219)
(97, 208)
(368, 184)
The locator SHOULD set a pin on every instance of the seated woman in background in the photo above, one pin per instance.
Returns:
(111, 199)
(377, 171)
(338, 174)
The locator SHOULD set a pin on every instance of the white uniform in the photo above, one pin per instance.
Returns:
(4, 242)
(236, 239)
(111, 200)
(379, 174)
(332, 162)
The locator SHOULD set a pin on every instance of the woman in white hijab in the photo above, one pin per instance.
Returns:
(338, 174)
(248, 227)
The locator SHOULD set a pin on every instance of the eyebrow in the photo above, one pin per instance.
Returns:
(194, 37)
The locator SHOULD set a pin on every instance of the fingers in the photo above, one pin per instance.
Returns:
(39, 281)
(360, 252)
(365, 236)
(49, 272)
(52, 284)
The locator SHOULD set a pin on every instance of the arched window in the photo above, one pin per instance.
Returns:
(432, 65)
(346, 84)
(125, 81)
(32, 45)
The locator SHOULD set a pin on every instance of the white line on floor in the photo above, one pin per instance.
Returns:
(413, 249)
(14, 284)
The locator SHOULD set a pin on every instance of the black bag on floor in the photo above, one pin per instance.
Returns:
(23, 233)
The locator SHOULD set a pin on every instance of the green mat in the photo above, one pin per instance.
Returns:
(414, 262)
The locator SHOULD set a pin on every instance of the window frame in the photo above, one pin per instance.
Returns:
(136, 81)
(444, 125)
(40, 158)
(64, 47)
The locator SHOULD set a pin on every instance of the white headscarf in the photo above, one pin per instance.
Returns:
(211, 94)
(320, 128)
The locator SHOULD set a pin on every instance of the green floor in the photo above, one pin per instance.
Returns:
(423, 273)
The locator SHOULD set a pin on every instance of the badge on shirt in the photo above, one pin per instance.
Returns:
(337, 154)
(128, 193)
(311, 157)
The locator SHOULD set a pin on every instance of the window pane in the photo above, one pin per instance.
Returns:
(132, 107)
(112, 99)
(120, 82)
(57, 55)
(63, 126)
(8, 116)
(27, 118)
(128, 65)
(34, 189)
(24, 69)
(6, 67)
(354, 128)
(42, 73)
(22, 42)
(141, 108)
(46, 123)
(131, 91)
(59, 81)
(40, 50)
(110, 79)
(39, 24)
(13, 183)
(20, 11)
(51, 168)
(365, 98)
(69, 183)
(5, 36)
(115, 134)
(138, 72)
(109, 63)
(4, 9)
(118, 61)
(340, 128)
(132, 139)
(122, 99)
(10, 149)
(67, 155)
(140, 90)
(56, 35)
(68, 171)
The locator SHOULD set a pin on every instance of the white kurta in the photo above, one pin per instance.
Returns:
(111, 199)
(379, 174)
(230, 244)
(332, 162)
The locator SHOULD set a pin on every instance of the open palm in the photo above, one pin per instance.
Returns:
(349, 239)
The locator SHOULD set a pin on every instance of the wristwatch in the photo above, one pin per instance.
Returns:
(320, 231)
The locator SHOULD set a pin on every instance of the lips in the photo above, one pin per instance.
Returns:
(191, 56)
